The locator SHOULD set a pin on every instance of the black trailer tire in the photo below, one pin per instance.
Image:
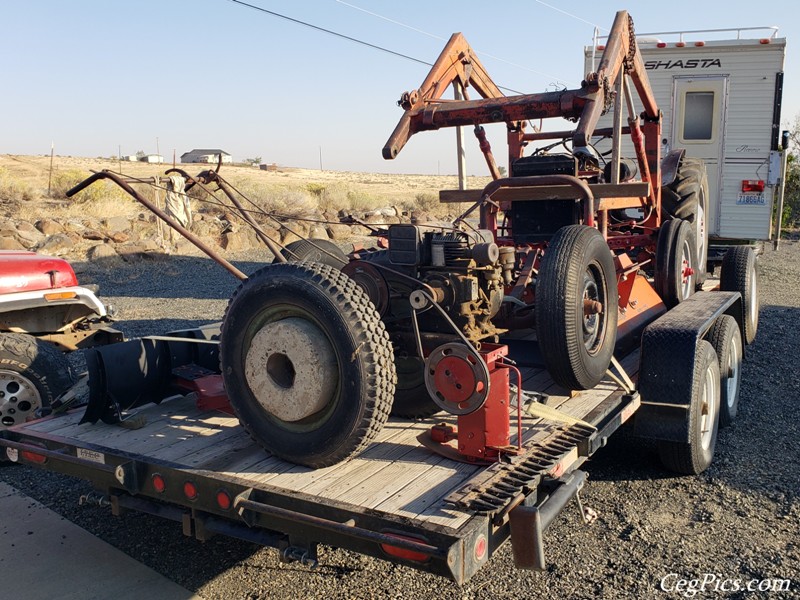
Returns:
(695, 456)
(307, 363)
(726, 338)
(33, 373)
(316, 250)
(686, 198)
(411, 397)
(675, 274)
(576, 347)
(740, 274)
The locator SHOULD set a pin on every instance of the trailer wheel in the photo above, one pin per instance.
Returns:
(675, 274)
(316, 250)
(686, 198)
(740, 274)
(726, 338)
(307, 363)
(577, 273)
(694, 457)
(33, 373)
(411, 397)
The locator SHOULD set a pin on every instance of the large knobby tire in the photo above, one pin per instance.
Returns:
(740, 274)
(411, 397)
(316, 250)
(686, 198)
(576, 267)
(726, 338)
(307, 363)
(675, 274)
(33, 373)
(695, 456)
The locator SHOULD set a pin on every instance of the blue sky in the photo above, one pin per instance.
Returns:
(93, 76)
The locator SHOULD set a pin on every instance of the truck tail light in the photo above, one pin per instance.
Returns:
(190, 491)
(224, 500)
(752, 185)
(159, 483)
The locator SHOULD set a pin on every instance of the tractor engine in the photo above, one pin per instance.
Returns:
(458, 271)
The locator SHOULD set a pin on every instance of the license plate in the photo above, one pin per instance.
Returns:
(92, 456)
(757, 198)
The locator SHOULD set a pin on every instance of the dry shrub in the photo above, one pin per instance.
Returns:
(289, 202)
(14, 190)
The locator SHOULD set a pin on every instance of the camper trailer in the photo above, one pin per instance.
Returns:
(722, 102)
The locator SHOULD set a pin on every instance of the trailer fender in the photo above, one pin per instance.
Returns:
(669, 346)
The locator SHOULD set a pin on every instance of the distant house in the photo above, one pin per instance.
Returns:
(206, 155)
(152, 158)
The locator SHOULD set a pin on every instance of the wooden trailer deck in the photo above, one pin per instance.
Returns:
(395, 475)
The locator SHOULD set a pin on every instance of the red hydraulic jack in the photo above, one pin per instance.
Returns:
(479, 394)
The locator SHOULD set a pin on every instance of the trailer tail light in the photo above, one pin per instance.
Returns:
(601, 47)
(679, 44)
(190, 491)
(480, 547)
(764, 41)
(34, 457)
(224, 500)
(159, 483)
(55, 296)
(752, 185)
(412, 555)
(699, 44)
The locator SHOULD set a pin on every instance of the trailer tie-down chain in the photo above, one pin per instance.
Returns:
(503, 485)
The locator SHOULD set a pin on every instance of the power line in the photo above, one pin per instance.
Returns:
(563, 12)
(437, 37)
(333, 33)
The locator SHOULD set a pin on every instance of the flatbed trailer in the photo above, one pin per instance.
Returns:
(397, 501)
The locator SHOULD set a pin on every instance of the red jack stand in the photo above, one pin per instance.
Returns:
(482, 433)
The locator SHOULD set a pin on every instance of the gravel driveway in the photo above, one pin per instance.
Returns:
(740, 520)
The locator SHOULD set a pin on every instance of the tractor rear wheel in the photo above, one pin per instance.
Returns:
(307, 363)
(676, 268)
(740, 274)
(576, 307)
(686, 198)
(316, 250)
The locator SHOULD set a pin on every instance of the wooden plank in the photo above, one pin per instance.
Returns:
(610, 191)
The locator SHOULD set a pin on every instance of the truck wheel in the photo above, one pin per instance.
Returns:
(321, 251)
(686, 198)
(32, 374)
(694, 457)
(726, 339)
(740, 274)
(675, 274)
(411, 397)
(307, 363)
(576, 275)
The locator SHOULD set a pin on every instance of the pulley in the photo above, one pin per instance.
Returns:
(457, 378)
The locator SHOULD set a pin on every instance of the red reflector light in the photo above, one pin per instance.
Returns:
(159, 484)
(752, 185)
(764, 41)
(661, 45)
(33, 457)
(223, 500)
(680, 44)
(601, 47)
(411, 555)
(190, 490)
(480, 547)
(699, 44)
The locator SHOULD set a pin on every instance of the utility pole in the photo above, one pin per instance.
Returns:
(50, 178)
(320, 158)
(158, 152)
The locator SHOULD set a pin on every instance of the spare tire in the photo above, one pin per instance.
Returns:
(307, 363)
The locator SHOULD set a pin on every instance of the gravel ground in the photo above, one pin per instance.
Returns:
(740, 520)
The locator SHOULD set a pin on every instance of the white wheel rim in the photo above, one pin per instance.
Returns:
(753, 300)
(732, 376)
(708, 408)
(687, 279)
(19, 398)
(701, 236)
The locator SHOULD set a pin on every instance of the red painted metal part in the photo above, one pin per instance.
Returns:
(28, 271)
(210, 392)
